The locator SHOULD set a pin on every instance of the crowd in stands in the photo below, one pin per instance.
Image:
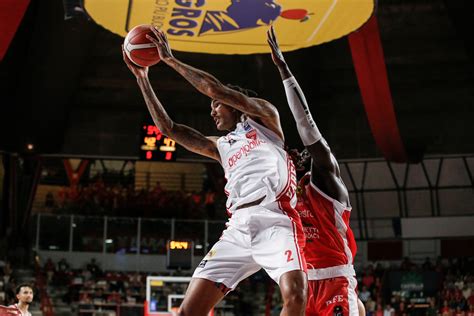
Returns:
(90, 287)
(454, 297)
(100, 199)
(7, 284)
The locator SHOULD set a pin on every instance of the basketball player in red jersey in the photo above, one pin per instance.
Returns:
(264, 230)
(324, 208)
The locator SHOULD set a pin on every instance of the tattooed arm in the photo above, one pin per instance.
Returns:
(184, 135)
(258, 109)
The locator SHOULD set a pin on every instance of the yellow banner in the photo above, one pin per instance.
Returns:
(235, 26)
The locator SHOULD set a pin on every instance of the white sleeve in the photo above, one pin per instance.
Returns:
(305, 124)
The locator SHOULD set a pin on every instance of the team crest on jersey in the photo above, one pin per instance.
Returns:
(252, 134)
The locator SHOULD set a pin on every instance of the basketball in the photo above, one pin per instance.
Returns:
(139, 49)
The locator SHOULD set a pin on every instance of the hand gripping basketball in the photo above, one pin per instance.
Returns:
(138, 47)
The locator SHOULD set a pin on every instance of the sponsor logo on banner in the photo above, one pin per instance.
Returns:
(235, 26)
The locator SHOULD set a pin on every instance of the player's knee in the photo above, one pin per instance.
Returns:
(294, 289)
(297, 297)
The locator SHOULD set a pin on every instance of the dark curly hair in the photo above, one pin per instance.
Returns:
(301, 160)
(19, 286)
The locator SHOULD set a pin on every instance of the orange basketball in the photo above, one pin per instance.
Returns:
(140, 49)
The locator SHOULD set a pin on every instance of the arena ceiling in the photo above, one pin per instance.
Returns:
(65, 88)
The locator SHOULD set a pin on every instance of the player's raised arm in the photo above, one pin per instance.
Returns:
(184, 135)
(324, 161)
(209, 85)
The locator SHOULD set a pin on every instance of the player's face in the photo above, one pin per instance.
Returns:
(25, 296)
(223, 115)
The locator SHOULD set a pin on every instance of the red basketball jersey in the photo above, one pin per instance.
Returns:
(330, 243)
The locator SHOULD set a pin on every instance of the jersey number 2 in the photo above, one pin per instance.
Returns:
(288, 254)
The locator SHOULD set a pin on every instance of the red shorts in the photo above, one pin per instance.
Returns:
(332, 297)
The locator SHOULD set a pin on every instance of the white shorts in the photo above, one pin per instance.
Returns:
(255, 238)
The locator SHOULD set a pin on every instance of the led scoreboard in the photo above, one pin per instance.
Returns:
(179, 254)
(155, 146)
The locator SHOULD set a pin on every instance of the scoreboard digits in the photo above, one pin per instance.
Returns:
(155, 146)
(179, 254)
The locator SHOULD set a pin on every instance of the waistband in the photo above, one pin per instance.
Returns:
(346, 270)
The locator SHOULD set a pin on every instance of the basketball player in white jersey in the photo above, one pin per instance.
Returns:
(264, 230)
(324, 208)
(24, 295)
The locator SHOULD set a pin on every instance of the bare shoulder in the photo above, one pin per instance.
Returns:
(269, 117)
(268, 109)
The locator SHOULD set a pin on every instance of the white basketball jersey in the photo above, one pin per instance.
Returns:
(255, 165)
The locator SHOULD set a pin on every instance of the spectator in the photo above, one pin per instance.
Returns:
(93, 268)
(459, 311)
(7, 272)
(406, 264)
(445, 308)
(432, 310)
(129, 298)
(364, 295)
(24, 295)
(157, 189)
(63, 265)
(368, 278)
(466, 291)
(402, 308)
(50, 268)
(49, 200)
(99, 297)
(471, 311)
(114, 297)
(84, 298)
(388, 311)
(370, 306)
(379, 311)
(427, 265)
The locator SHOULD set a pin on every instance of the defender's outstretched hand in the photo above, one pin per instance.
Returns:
(161, 42)
(139, 72)
(277, 55)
